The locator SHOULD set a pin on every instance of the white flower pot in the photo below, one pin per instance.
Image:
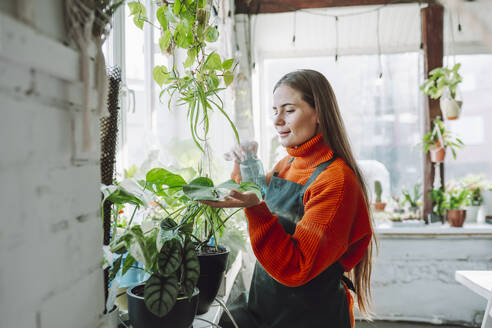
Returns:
(451, 108)
(471, 213)
(111, 319)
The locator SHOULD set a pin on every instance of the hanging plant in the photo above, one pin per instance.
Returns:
(187, 24)
(443, 84)
(438, 140)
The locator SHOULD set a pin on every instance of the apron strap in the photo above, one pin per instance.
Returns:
(348, 282)
(317, 172)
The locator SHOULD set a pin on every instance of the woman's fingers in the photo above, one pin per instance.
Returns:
(235, 199)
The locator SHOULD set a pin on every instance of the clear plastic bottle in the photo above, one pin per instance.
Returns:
(252, 171)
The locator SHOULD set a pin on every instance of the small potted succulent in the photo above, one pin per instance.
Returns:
(438, 140)
(442, 84)
(378, 190)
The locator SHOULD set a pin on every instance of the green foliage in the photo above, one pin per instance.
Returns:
(441, 78)
(167, 246)
(412, 199)
(431, 139)
(378, 189)
(438, 197)
(186, 24)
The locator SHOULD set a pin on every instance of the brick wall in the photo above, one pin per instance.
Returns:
(51, 232)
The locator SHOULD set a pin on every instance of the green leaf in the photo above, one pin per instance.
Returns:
(191, 58)
(169, 258)
(160, 74)
(138, 247)
(138, 10)
(115, 268)
(165, 40)
(202, 3)
(161, 17)
(191, 268)
(212, 34)
(168, 224)
(213, 62)
(160, 293)
(176, 7)
(160, 176)
(227, 64)
(202, 189)
(228, 78)
(127, 264)
(213, 81)
(121, 197)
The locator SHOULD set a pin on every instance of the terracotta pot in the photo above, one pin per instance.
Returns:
(456, 217)
(437, 153)
(379, 207)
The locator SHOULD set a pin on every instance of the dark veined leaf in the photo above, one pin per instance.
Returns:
(128, 263)
(228, 78)
(213, 62)
(169, 258)
(168, 224)
(191, 268)
(160, 176)
(115, 268)
(212, 34)
(187, 227)
(161, 17)
(160, 293)
(227, 64)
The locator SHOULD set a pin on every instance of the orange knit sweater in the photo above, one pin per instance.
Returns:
(335, 226)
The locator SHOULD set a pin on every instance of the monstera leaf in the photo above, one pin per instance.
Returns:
(191, 268)
(160, 293)
(169, 258)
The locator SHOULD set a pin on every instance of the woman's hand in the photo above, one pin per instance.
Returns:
(238, 153)
(235, 199)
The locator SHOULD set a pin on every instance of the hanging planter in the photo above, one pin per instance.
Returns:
(450, 106)
(437, 153)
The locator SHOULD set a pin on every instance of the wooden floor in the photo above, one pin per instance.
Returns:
(392, 324)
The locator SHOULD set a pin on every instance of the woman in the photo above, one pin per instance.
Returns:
(313, 225)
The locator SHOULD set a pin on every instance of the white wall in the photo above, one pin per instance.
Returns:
(51, 234)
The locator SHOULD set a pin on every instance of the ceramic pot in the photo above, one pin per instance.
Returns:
(212, 268)
(437, 153)
(451, 108)
(456, 217)
(180, 316)
(379, 207)
(471, 213)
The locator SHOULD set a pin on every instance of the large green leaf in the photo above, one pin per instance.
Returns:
(213, 61)
(201, 189)
(191, 268)
(160, 293)
(121, 196)
(128, 263)
(160, 176)
(169, 258)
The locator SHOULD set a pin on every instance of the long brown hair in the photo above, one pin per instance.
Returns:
(317, 92)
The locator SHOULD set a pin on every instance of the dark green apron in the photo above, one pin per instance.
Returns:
(320, 303)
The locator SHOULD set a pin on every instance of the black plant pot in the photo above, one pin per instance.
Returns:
(180, 316)
(212, 267)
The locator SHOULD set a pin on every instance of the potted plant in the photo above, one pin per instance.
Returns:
(378, 189)
(454, 201)
(176, 224)
(412, 200)
(438, 140)
(442, 84)
(474, 185)
(438, 197)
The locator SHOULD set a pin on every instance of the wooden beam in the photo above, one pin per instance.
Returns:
(280, 6)
(432, 43)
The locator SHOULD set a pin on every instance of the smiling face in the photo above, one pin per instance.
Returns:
(294, 119)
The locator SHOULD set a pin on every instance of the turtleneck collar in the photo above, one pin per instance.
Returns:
(312, 152)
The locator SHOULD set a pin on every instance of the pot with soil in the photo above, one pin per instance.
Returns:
(437, 153)
(180, 316)
(213, 264)
(456, 217)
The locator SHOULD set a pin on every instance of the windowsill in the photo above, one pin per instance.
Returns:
(435, 229)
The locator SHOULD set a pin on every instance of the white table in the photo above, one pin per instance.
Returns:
(479, 282)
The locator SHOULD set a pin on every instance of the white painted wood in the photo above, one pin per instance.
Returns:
(436, 229)
(479, 282)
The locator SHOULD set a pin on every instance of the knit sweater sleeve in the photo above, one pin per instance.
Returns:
(321, 236)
